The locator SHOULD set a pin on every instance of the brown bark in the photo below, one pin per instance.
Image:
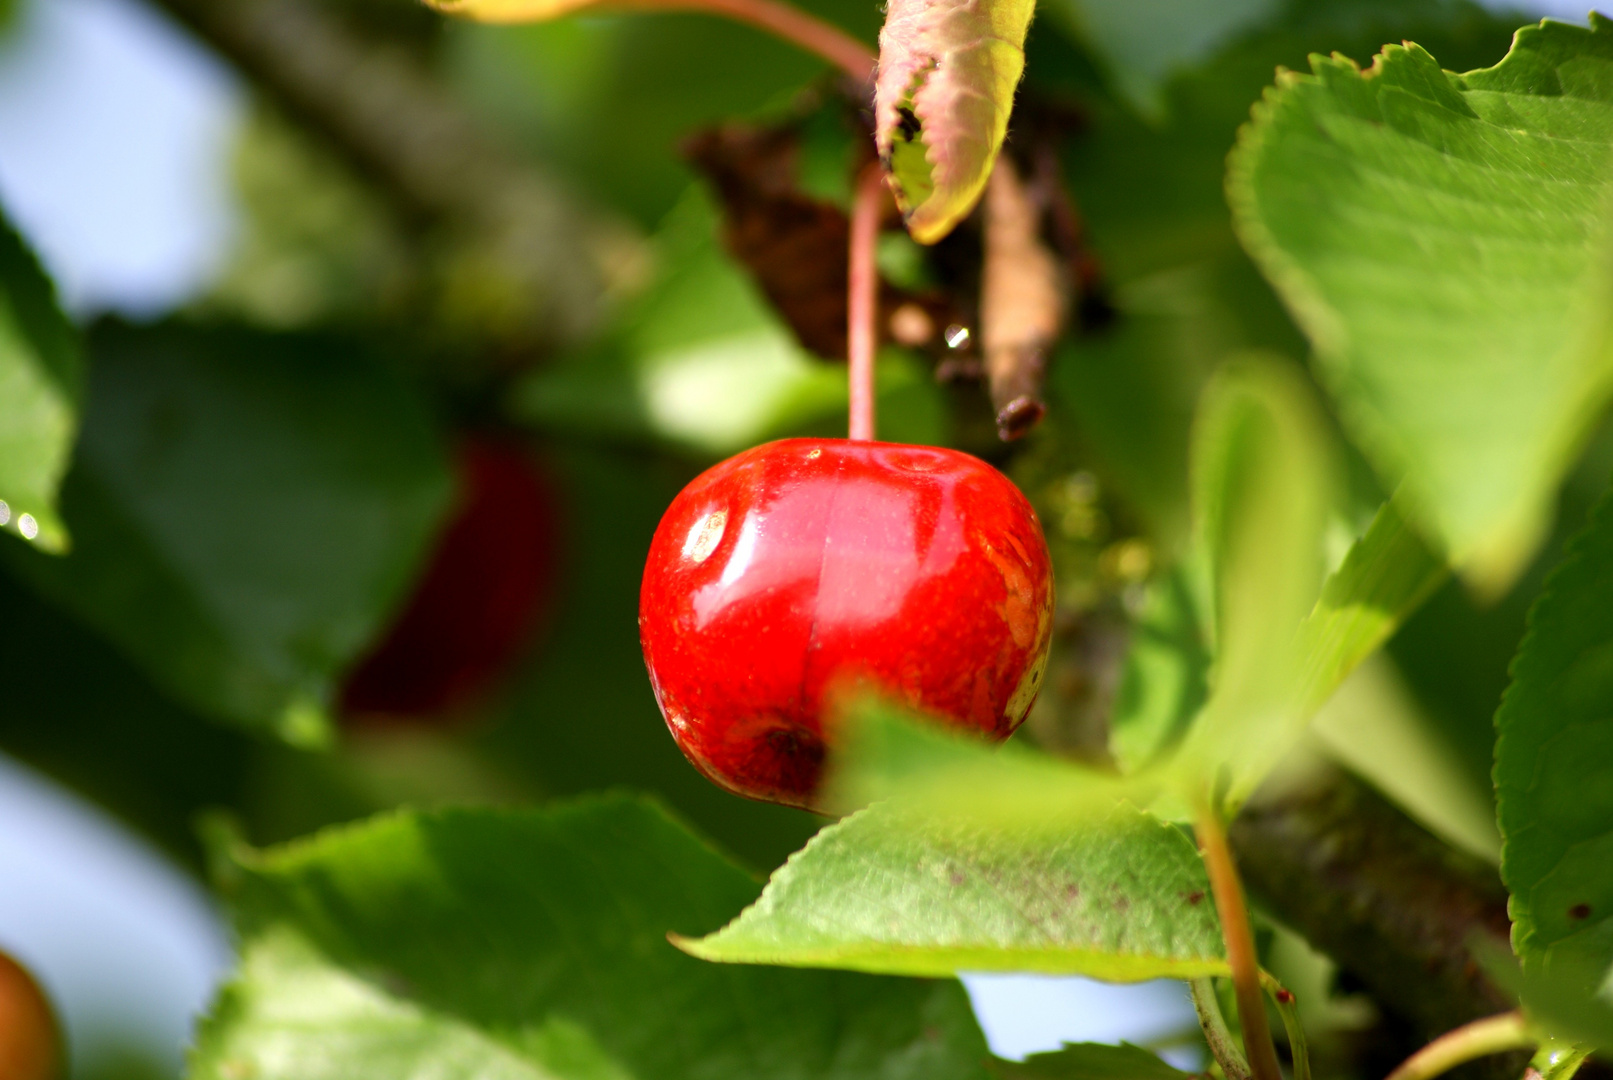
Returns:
(1395, 907)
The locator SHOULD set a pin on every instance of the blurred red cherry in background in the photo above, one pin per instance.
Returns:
(484, 590)
(30, 1044)
(807, 566)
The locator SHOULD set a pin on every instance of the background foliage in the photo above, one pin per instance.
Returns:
(1342, 390)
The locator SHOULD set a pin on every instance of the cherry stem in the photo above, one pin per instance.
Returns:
(1298, 1047)
(1240, 942)
(1491, 1035)
(791, 24)
(862, 297)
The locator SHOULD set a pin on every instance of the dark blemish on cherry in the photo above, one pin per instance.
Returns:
(1579, 912)
(1285, 996)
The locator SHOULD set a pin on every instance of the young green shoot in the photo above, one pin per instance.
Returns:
(1223, 1046)
(1491, 1035)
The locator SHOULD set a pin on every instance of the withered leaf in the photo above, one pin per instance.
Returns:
(947, 74)
(795, 245)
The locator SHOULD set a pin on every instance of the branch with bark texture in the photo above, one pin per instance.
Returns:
(1394, 906)
(391, 119)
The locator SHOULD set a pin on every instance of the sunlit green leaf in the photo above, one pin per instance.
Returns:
(532, 944)
(910, 888)
(1386, 575)
(40, 377)
(1444, 242)
(247, 510)
(1264, 483)
(1554, 771)
(947, 74)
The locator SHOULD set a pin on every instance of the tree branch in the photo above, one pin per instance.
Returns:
(391, 119)
(1391, 904)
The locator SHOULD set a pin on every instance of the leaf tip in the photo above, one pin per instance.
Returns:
(696, 947)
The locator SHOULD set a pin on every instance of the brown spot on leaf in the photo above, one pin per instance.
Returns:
(1195, 897)
(1579, 912)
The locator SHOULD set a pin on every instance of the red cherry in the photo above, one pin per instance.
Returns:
(802, 567)
(488, 581)
(29, 1040)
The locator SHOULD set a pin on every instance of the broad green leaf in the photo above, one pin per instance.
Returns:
(247, 510)
(532, 944)
(701, 361)
(1386, 575)
(947, 74)
(1090, 1061)
(1568, 1000)
(1264, 483)
(1152, 199)
(1444, 242)
(1152, 190)
(911, 888)
(40, 377)
(1554, 769)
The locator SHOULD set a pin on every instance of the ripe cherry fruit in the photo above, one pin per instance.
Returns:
(474, 608)
(807, 566)
(30, 1047)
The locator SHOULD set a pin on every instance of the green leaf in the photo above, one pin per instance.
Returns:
(1152, 190)
(1264, 484)
(1443, 240)
(947, 74)
(532, 944)
(40, 377)
(1386, 575)
(1554, 768)
(247, 511)
(911, 888)
(1090, 1061)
